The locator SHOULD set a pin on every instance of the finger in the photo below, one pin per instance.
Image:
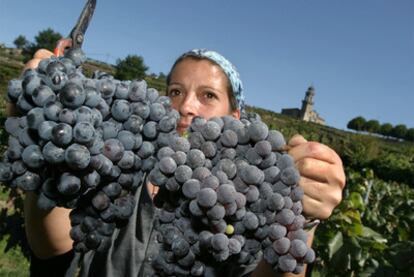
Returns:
(314, 169)
(313, 208)
(42, 54)
(315, 190)
(329, 196)
(296, 140)
(314, 150)
(33, 63)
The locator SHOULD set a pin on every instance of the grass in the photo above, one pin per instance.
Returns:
(12, 262)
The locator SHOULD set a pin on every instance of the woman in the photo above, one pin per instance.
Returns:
(201, 83)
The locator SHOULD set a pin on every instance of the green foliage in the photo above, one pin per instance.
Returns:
(130, 68)
(399, 131)
(410, 134)
(357, 123)
(21, 42)
(385, 129)
(365, 235)
(372, 126)
(45, 39)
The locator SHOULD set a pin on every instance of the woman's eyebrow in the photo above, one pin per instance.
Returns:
(175, 83)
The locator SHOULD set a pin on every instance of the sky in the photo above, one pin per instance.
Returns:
(358, 55)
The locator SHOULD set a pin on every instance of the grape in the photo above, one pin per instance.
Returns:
(183, 173)
(180, 247)
(121, 110)
(76, 55)
(140, 109)
(258, 131)
(226, 194)
(77, 156)
(198, 123)
(146, 150)
(137, 91)
(277, 231)
(217, 212)
(270, 256)
(52, 153)
(281, 246)
(43, 95)
(196, 140)
(211, 131)
(252, 175)
(34, 117)
(45, 130)
(52, 110)
(45, 203)
(150, 130)
(179, 144)
(14, 89)
(113, 149)
(210, 181)
(219, 242)
(6, 173)
(157, 111)
(68, 184)
(100, 201)
(62, 134)
(83, 132)
(228, 138)
(129, 140)
(289, 176)
(298, 248)
(191, 188)
(309, 256)
(106, 87)
(195, 158)
(207, 197)
(275, 202)
(263, 148)
(209, 149)
(127, 161)
(17, 167)
(285, 217)
(72, 95)
(250, 221)
(276, 140)
(30, 83)
(32, 156)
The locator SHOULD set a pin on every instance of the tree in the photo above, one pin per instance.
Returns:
(385, 129)
(21, 42)
(130, 68)
(356, 124)
(410, 134)
(46, 39)
(399, 131)
(372, 126)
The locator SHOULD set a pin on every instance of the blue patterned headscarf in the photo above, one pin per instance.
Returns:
(228, 68)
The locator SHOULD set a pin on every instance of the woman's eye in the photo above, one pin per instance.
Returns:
(210, 95)
(174, 92)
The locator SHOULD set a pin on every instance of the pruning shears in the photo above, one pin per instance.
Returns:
(76, 36)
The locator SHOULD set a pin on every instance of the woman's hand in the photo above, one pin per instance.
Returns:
(37, 57)
(322, 176)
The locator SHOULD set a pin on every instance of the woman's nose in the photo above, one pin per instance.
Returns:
(189, 105)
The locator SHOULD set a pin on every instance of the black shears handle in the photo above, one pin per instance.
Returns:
(76, 36)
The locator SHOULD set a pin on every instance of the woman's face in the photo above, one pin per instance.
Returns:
(199, 88)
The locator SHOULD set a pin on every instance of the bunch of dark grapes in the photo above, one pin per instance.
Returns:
(84, 143)
(228, 193)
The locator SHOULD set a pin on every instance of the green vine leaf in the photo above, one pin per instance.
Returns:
(335, 244)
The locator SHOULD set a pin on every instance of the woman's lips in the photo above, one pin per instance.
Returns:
(182, 126)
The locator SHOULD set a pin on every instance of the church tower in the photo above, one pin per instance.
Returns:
(307, 104)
